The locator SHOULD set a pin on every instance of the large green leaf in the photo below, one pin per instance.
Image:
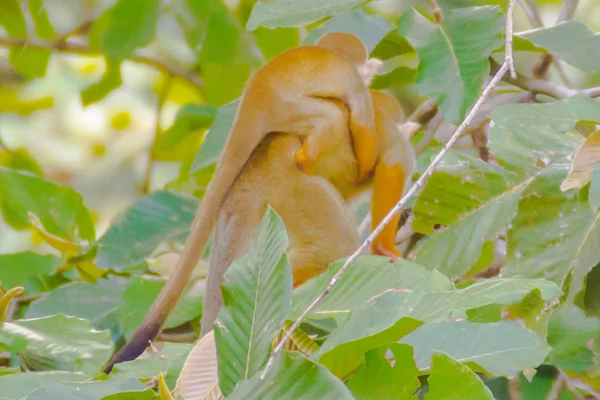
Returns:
(70, 340)
(257, 293)
(377, 379)
(454, 54)
(86, 391)
(500, 348)
(392, 315)
(31, 63)
(141, 293)
(370, 29)
(216, 137)
(27, 269)
(96, 303)
(163, 216)
(526, 137)
(295, 13)
(571, 41)
(225, 53)
(570, 333)
(175, 142)
(292, 376)
(367, 277)
(121, 29)
(454, 250)
(554, 234)
(461, 185)
(450, 380)
(58, 212)
(17, 386)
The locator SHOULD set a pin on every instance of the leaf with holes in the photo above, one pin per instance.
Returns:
(257, 292)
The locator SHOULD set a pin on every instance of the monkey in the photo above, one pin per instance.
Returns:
(393, 171)
(289, 94)
(319, 225)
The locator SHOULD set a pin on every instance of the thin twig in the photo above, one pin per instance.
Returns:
(508, 47)
(82, 49)
(162, 98)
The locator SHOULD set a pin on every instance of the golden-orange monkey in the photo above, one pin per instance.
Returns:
(395, 154)
(289, 94)
(320, 228)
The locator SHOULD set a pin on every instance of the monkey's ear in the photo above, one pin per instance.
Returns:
(345, 44)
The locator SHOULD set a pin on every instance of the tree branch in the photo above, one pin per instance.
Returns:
(77, 48)
(418, 185)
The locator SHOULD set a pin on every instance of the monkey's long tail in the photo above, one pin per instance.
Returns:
(245, 136)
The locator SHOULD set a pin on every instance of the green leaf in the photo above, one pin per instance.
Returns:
(124, 27)
(159, 217)
(178, 139)
(275, 41)
(20, 159)
(15, 387)
(377, 379)
(41, 22)
(151, 366)
(553, 235)
(397, 71)
(526, 137)
(460, 185)
(296, 13)
(96, 303)
(571, 41)
(454, 250)
(27, 269)
(148, 394)
(367, 277)
(58, 211)
(500, 349)
(30, 62)
(392, 315)
(86, 391)
(450, 380)
(370, 29)
(454, 54)
(292, 376)
(392, 45)
(570, 333)
(70, 340)
(109, 82)
(216, 137)
(594, 195)
(257, 293)
(12, 19)
(141, 293)
(226, 53)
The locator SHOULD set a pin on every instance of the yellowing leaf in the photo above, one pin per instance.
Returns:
(583, 164)
(5, 300)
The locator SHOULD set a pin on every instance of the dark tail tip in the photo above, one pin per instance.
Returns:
(134, 348)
